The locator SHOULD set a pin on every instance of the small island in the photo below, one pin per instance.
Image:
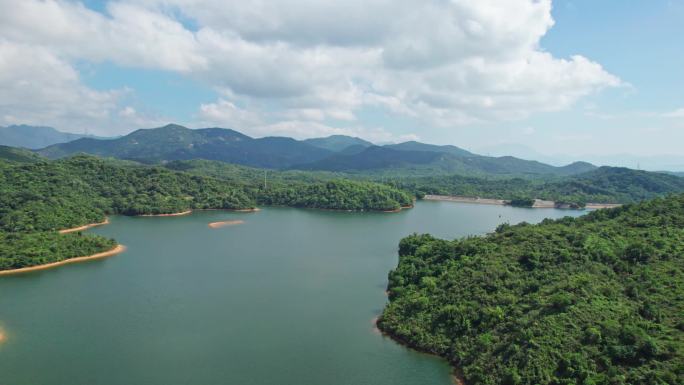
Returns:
(217, 225)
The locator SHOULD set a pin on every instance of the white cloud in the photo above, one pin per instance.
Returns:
(225, 113)
(36, 87)
(678, 113)
(444, 63)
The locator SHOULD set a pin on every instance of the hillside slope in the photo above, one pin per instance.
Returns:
(593, 300)
(399, 160)
(337, 143)
(20, 155)
(174, 142)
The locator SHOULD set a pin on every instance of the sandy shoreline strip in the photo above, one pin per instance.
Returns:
(602, 205)
(217, 225)
(538, 204)
(187, 212)
(116, 250)
(462, 199)
(252, 210)
(2, 336)
(84, 227)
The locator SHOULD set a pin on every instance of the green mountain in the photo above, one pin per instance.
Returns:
(618, 184)
(337, 143)
(404, 162)
(34, 137)
(371, 158)
(174, 142)
(417, 146)
(20, 155)
(334, 153)
(603, 185)
(592, 300)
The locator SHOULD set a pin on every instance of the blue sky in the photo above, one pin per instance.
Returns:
(487, 76)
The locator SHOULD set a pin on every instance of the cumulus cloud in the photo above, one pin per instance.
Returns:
(289, 64)
(38, 87)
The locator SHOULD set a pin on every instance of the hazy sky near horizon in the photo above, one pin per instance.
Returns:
(568, 77)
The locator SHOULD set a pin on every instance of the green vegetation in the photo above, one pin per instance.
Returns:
(324, 190)
(604, 185)
(593, 300)
(48, 196)
(337, 195)
(37, 199)
(335, 153)
(174, 142)
(19, 250)
(20, 155)
(522, 202)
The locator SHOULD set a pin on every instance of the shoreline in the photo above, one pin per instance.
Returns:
(118, 249)
(463, 199)
(186, 212)
(84, 227)
(456, 373)
(218, 225)
(252, 210)
(598, 206)
(538, 204)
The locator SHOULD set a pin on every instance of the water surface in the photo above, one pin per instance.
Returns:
(287, 298)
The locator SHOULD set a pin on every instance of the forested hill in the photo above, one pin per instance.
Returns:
(72, 192)
(418, 159)
(593, 300)
(174, 142)
(603, 185)
(14, 154)
(36, 199)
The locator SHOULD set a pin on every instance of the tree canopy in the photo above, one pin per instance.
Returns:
(593, 300)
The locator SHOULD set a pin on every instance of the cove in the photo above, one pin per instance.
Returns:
(285, 298)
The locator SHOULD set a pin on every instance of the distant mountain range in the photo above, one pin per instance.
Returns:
(174, 142)
(669, 162)
(334, 153)
(35, 137)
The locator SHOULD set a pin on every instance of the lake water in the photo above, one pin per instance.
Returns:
(287, 298)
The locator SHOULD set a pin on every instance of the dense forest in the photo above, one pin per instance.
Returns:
(41, 197)
(293, 188)
(593, 300)
(603, 185)
(337, 195)
(48, 196)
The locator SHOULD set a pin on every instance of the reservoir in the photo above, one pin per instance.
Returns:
(286, 297)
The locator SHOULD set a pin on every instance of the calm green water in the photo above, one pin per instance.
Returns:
(287, 298)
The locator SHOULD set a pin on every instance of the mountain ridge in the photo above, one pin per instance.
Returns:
(35, 137)
(333, 153)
